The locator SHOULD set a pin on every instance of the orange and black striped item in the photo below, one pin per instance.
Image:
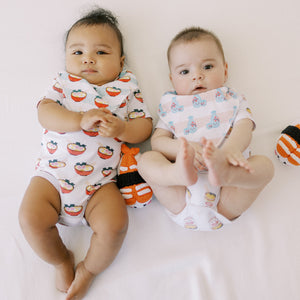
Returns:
(136, 192)
(288, 145)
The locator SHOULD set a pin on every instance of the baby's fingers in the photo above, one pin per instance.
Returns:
(199, 162)
(240, 161)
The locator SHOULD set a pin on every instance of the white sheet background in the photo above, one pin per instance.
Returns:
(257, 257)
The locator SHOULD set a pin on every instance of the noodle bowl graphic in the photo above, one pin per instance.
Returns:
(76, 148)
(113, 91)
(66, 186)
(74, 78)
(57, 87)
(51, 147)
(55, 164)
(138, 96)
(105, 152)
(78, 95)
(73, 210)
(83, 169)
(100, 102)
(91, 189)
(124, 79)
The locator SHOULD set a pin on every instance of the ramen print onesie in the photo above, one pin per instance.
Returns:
(211, 115)
(78, 163)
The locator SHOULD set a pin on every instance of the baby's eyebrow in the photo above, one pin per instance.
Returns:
(209, 59)
(75, 45)
(180, 66)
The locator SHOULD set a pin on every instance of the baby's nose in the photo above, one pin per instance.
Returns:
(198, 75)
(88, 60)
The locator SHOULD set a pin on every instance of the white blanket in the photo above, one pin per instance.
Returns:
(257, 257)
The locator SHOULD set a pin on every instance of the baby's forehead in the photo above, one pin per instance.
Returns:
(96, 29)
(181, 48)
(96, 33)
(192, 43)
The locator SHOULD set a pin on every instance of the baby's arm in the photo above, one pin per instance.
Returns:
(133, 131)
(55, 117)
(238, 141)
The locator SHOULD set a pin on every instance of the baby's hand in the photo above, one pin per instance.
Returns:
(93, 118)
(112, 126)
(198, 160)
(236, 158)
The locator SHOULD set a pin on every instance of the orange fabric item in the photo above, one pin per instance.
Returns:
(288, 146)
(136, 192)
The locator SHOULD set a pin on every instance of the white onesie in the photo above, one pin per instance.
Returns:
(211, 115)
(78, 163)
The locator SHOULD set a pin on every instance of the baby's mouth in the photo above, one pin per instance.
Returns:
(199, 89)
(89, 71)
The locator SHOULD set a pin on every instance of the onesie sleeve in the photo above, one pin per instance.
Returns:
(161, 124)
(137, 107)
(244, 111)
(55, 92)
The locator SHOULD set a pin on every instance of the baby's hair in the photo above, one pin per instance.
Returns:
(100, 16)
(194, 33)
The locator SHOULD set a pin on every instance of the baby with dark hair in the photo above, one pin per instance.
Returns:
(100, 16)
(87, 113)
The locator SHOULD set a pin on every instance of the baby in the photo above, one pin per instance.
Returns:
(88, 112)
(200, 168)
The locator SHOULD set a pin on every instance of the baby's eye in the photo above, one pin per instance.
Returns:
(101, 52)
(208, 67)
(184, 72)
(78, 52)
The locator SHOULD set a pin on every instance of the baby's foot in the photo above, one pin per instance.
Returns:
(217, 164)
(65, 273)
(81, 283)
(185, 169)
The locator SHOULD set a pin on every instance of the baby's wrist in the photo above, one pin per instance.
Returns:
(122, 129)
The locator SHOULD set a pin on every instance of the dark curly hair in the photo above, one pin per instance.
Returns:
(100, 16)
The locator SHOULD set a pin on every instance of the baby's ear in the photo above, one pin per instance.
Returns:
(226, 71)
(122, 61)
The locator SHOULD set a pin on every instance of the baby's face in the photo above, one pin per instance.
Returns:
(197, 67)
(93, 53)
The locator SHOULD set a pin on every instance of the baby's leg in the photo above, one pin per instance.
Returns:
(222, 173)
(240, 187)
(234, 201)
(38, 216)
(106, 213)
(157, 169)
(169, 180)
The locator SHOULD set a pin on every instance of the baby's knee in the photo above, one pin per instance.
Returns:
(268, 167)
(28, 222)
(111, 229)
(34, 222)
(118, 228)
(141, 160)
(144, 161)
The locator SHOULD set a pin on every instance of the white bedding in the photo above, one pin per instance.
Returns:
(257, 257)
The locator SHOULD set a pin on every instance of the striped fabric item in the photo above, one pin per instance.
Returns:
(135, 191)
(288, 145)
